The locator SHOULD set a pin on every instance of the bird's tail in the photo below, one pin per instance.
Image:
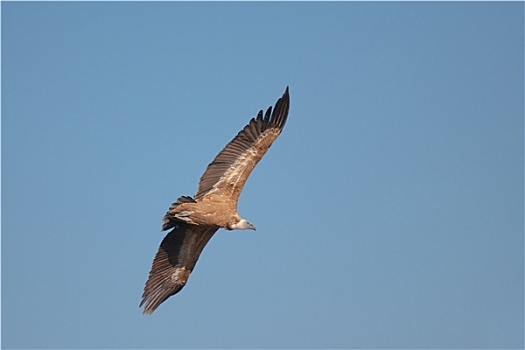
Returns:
(169, 219)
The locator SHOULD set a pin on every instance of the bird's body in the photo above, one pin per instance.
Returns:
(195, 220)
(212, 210)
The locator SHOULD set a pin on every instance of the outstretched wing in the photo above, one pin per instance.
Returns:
(228, 172)
(177, 255)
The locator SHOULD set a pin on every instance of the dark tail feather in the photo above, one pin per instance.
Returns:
(169, 220)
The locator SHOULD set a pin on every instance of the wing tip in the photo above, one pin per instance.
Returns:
(152, 299)
(280, 111)
(148, 309)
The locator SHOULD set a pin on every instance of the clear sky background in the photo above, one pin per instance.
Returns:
(389, 212)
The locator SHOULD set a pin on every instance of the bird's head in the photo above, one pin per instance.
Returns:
(241, 225)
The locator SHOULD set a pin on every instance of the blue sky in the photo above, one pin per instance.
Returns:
(389, 212)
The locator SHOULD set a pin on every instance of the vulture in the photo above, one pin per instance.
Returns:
(194, 220)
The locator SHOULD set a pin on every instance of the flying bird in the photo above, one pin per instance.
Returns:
(194, 220)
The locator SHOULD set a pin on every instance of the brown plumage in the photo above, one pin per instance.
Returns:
(195, 220)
